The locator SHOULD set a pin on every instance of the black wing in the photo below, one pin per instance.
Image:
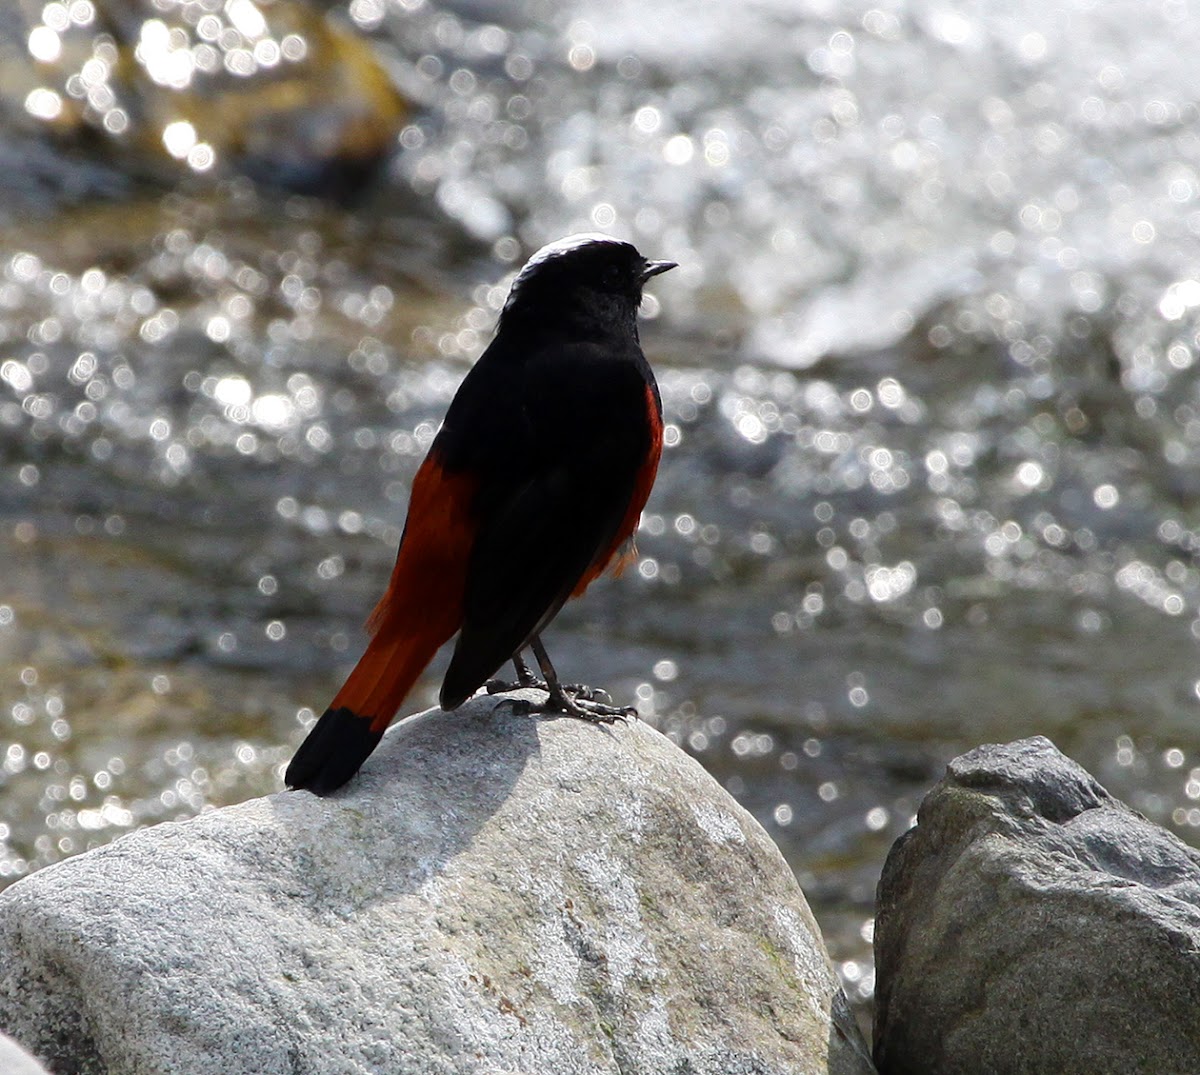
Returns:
(555, 493)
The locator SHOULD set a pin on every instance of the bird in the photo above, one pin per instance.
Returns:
(531, 489)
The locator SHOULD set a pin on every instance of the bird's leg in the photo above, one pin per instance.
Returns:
(576, 701)
(525, 678)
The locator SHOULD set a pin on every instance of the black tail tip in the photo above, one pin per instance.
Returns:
(333, 752)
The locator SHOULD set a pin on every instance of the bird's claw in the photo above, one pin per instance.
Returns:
(590, 704)
(582, 692)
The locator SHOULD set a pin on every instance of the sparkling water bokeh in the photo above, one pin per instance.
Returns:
(928, 368)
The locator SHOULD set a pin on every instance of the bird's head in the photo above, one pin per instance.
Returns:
(584, 284)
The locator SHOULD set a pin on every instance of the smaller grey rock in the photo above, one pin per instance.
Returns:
(1031, 923)
(16, 1061)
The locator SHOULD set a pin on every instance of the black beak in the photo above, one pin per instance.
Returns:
(654, 268)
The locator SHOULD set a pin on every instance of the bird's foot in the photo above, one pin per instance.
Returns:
(580, 702)
(525, 678)
(588, 694)
(588, 703)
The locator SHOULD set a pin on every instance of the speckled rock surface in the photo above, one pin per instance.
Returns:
(1032, 923)
(495, 892)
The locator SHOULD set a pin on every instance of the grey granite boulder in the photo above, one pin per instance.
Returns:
(495, 893)
(1032, 923)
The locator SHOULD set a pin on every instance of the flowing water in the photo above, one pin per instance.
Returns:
(928, 367)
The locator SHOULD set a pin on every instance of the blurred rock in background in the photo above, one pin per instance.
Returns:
(279, 91)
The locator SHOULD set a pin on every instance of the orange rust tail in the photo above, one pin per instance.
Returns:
(383, 677)
(360, 712)
(420, 610)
